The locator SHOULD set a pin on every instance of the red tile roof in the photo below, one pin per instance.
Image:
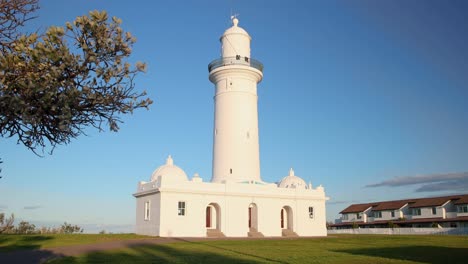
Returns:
(429, 202)
(463, 200)
(413, 203)
(357, 208)
(390, 205)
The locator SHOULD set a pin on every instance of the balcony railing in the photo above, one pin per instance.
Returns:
(237, 60)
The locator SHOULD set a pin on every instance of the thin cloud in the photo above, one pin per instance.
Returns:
(429, 183)
(461, 185)
(32, 207)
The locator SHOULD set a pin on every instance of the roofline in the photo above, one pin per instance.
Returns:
(444, 203)
(408, 203)
(355, 211)
(390, 209)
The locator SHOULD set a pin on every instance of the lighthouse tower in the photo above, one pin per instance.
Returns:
(236, 156)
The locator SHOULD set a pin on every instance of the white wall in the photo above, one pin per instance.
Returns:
(426, 212)
(387, 215)
(233, 200)
(236, 155)
(151, 226)
(352, 217)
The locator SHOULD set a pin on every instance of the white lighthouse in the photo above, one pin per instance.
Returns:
(237, 202)
(236, 156)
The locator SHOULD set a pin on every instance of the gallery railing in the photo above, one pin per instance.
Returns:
(237, 60)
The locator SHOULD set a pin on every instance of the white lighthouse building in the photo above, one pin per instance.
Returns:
(236, 155)
(236, 203)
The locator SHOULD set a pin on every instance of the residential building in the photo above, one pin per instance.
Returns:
(445, 211)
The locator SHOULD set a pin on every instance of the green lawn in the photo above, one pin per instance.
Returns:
(17, 242)
(333, 249)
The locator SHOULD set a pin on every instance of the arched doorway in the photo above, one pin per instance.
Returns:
(287, 218)
(253, 217)
(213, 216)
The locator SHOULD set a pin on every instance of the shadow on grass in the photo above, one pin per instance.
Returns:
(158, 253)
(10, 243)
(231, 250)
(24, 249)
(425, 254)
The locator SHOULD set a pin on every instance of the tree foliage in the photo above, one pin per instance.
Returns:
(70, 229)
(13, 15)
(55, 84)
(6, 224)
(25, 228)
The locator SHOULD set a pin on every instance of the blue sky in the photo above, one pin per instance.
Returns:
(367, 98)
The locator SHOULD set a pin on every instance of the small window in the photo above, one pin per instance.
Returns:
(311, 212)
(358, 215)
(181, 208)
(434, 210)
(378, 214)
(416, 211)
(463, 208)
(344, 217)
(393, 213)
(147, 211)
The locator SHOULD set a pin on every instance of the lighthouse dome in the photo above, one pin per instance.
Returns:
(235, 29)
(292, 181)
(169, 171)
(235, 41)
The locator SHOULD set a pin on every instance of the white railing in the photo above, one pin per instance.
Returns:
(402, 231)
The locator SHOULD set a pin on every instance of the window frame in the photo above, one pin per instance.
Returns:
(147, 211)
(434, 210)
(416, 211)
(181, 210)
(311, 212)
(462, 208)
(392, 213)
(377, 214)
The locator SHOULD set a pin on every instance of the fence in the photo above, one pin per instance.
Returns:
(402, 231)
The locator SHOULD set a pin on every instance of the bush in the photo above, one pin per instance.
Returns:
(25, 228)
(7, 227)
(69, 229)
(6, 224)
(392, 225)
